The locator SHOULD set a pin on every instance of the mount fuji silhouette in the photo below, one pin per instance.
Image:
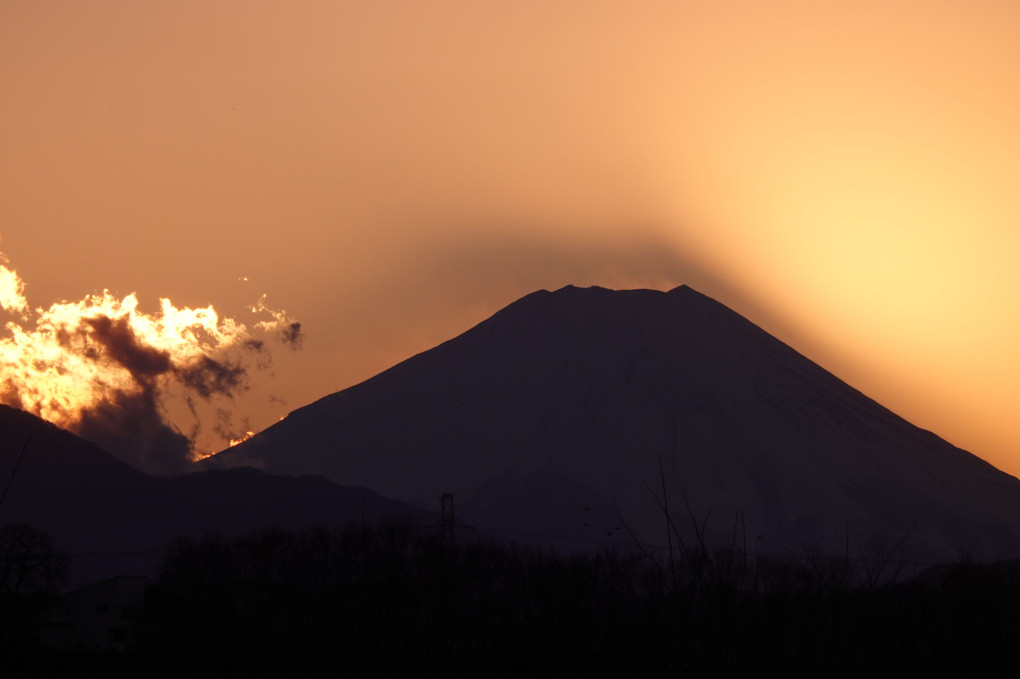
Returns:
(597, 418)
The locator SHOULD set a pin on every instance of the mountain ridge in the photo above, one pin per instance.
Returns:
(625, 401)
(114, 519)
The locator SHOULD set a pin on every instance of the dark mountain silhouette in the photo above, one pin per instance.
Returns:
(113, 519)
(589, 416)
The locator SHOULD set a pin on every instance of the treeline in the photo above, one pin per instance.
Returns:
(395, 597)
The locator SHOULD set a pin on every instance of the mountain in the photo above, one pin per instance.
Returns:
(599, 418)
(114, 519)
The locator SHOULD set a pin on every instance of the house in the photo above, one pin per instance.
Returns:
(98, 617)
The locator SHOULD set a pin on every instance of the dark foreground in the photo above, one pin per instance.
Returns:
(388, 598)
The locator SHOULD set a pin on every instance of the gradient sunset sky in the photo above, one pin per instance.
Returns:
(844, 174)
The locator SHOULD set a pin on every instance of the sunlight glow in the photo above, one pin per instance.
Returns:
(73, 357)
(247, 435)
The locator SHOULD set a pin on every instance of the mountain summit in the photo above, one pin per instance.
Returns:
(613, 418)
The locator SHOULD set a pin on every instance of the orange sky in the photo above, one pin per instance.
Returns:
(392, 173)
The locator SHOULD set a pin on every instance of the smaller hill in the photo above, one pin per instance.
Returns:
(113, 519)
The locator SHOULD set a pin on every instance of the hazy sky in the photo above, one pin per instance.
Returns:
(845, 174)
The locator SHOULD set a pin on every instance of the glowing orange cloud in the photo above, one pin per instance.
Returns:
(103, 367)
(247, 435)
(12, 290)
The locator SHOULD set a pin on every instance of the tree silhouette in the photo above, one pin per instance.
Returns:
(31, 570)
(28, 562)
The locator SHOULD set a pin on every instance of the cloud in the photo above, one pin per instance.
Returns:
(106, 370)
(123, 347)
(208, 376)
(12, 288)
(291, 335)
(131, 426)
(12, 297)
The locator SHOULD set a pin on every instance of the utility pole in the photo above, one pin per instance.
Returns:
(446, 520)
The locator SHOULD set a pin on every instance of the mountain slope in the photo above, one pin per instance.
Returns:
(580, 415)
(114, 519)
